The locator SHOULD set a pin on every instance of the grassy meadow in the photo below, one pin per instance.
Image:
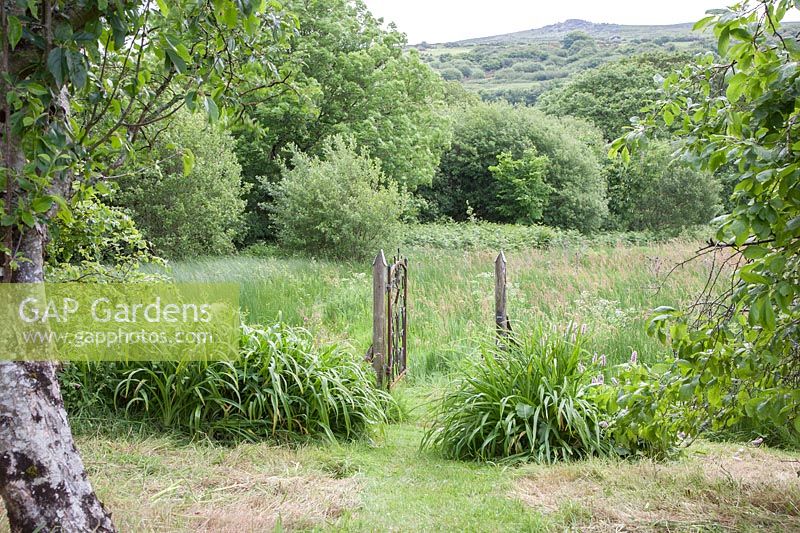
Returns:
(611, 289)
(161, 482)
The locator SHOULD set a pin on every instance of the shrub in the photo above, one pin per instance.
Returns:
(657, 192)
(530, 401)
(340, 205)
(637, 421)
(92, 241)
(452, 74)
(281, 386)
(486, 130)
(192, 214)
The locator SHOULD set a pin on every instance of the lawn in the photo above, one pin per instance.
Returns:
(161, 483)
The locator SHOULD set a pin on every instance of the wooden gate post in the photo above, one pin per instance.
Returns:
(500, 314)
(379, 280)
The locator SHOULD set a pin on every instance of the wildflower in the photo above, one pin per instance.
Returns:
(603, 424)
(615, 381)
(594, 358)
(603, 360)
(581, 368)
(634, 357)
(584, 329)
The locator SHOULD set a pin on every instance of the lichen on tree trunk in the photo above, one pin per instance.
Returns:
(43, 481)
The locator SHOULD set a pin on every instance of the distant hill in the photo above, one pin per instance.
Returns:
(556, 32)
(520, 66)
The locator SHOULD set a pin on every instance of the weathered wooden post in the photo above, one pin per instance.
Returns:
(379, 280)
(500, 314)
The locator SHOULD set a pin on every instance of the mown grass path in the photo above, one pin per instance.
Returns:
(165, 484)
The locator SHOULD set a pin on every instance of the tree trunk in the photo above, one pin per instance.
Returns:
(42, 478)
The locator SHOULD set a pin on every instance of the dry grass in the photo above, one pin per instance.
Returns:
(158, 485)
(715, 487)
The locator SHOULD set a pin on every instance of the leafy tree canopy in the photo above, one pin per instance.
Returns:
(738, 358)
(353, 77)
(484, 131)
(611, 94)
(655, 191)
(186, 212)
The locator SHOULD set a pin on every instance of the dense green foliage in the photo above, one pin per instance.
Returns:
(339, 204)
(281, 386)
(522, 193)
(611, 94)
(83, 81)
(481, 236)
(737, 352)
(96, 243)
(186, 213)
(655, 191)
(530, 400)
(465, 184)
(350, 76)
(634, 420)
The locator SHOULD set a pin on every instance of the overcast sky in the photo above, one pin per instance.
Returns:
(452, 20)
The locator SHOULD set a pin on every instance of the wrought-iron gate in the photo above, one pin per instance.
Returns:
(389, 350)
(397, 315)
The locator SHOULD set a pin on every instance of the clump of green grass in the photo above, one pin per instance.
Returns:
(528, 400)
(282, 386)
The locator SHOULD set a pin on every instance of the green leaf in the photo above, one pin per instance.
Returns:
(177, 60)
(741, 34)
(703, 22)
(163, 7)
(27, 218)
(42, 205)
(736, 86)
(102, 188)
(190, 100)
(33, 7)
(188, 162)
(56, 64)
(77, 68)
(14, 31)
(753, 277)
(724, 41)
(687, 390)
(768, 314)
(755, 252)
(230, 14)
(211, 109)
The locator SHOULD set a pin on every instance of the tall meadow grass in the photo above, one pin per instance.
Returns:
(611, 289)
